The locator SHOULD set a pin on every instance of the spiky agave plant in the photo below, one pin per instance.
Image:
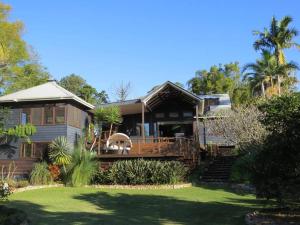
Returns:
(82, 167)
(60, 152)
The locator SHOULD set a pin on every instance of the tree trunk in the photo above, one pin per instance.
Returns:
(110, 130)
(263, 89)
(279, 84)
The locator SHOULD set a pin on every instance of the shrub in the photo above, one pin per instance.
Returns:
(141, 171)
(54, 171)
(82, 168)
(101, 177)
(60, 152)
(40, 175)
(5, 190)
(241, 169)
(276, 169)
(22, 183)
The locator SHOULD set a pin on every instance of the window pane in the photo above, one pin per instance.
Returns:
(27, 149)
(187, 114)
(48, 115)
(36, 116)
(41, 150)
(25, 116)
(60, 115)
(173, 115)
(159, 115)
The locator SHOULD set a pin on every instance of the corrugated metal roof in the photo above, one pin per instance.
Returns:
(44, 92)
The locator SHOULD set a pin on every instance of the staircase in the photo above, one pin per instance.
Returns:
(219, 170)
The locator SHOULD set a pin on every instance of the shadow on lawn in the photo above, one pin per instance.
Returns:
(126, 209)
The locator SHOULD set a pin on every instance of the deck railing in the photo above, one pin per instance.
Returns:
(152, 147)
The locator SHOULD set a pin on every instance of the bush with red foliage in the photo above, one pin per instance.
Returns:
(54, 171)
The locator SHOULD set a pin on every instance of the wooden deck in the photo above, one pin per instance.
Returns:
(182, 149)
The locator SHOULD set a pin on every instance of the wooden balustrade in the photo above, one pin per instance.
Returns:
(151, 147)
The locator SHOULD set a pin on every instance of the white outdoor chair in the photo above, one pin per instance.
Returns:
(119, 142)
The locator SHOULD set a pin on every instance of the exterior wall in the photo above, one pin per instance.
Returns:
(73, 134)
(45, 133)
(130, 122)
(11, 150)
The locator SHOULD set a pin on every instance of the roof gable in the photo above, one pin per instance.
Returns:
(47, 91)
(168, 88)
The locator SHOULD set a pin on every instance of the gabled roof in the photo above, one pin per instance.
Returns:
(164, 86)
(156, 97)
(49, 91)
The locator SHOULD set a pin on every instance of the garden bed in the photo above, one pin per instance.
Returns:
(273, 217)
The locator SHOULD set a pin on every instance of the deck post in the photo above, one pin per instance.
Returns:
(139, 145)
(143, 122)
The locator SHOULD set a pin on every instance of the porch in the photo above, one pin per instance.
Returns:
(149, 147)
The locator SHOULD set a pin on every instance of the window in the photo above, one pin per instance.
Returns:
(36, 115)
(25, 116)
(34, 150)
(159, 115)
(173, 115)
(26, 150)
(188, 114)
(41, 150)
(60, 115)
(48, 115)
(146, 129)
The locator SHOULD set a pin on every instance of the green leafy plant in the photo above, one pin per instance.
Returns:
(82, 167)
(141, 171)
(22, 183)
(276, 168)
(60, 152)
(40, 175)
(110, 115)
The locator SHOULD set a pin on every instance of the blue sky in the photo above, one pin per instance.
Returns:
(145, 42)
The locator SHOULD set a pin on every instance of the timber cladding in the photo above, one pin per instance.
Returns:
(74, 116)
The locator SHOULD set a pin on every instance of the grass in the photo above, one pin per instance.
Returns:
(90, 206)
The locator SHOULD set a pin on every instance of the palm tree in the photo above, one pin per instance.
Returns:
(60, 152)
(264, 71)
(277, 38)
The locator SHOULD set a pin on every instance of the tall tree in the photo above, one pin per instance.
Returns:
(18, 67)
(77, 85)
(262, 73)
(26, 76)
(88, 93)
(219, 79)
(73, 83)
(12, 46)
(277, 38)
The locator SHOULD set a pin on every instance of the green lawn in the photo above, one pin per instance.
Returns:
(89, 206)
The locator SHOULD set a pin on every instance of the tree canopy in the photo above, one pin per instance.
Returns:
(78, 85)
(18, 67)
(218, 80)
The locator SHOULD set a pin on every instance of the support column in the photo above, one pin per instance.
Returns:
(143, 122)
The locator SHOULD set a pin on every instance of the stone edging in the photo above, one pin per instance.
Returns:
(28, 188)
(137, 187)
(143, 187)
